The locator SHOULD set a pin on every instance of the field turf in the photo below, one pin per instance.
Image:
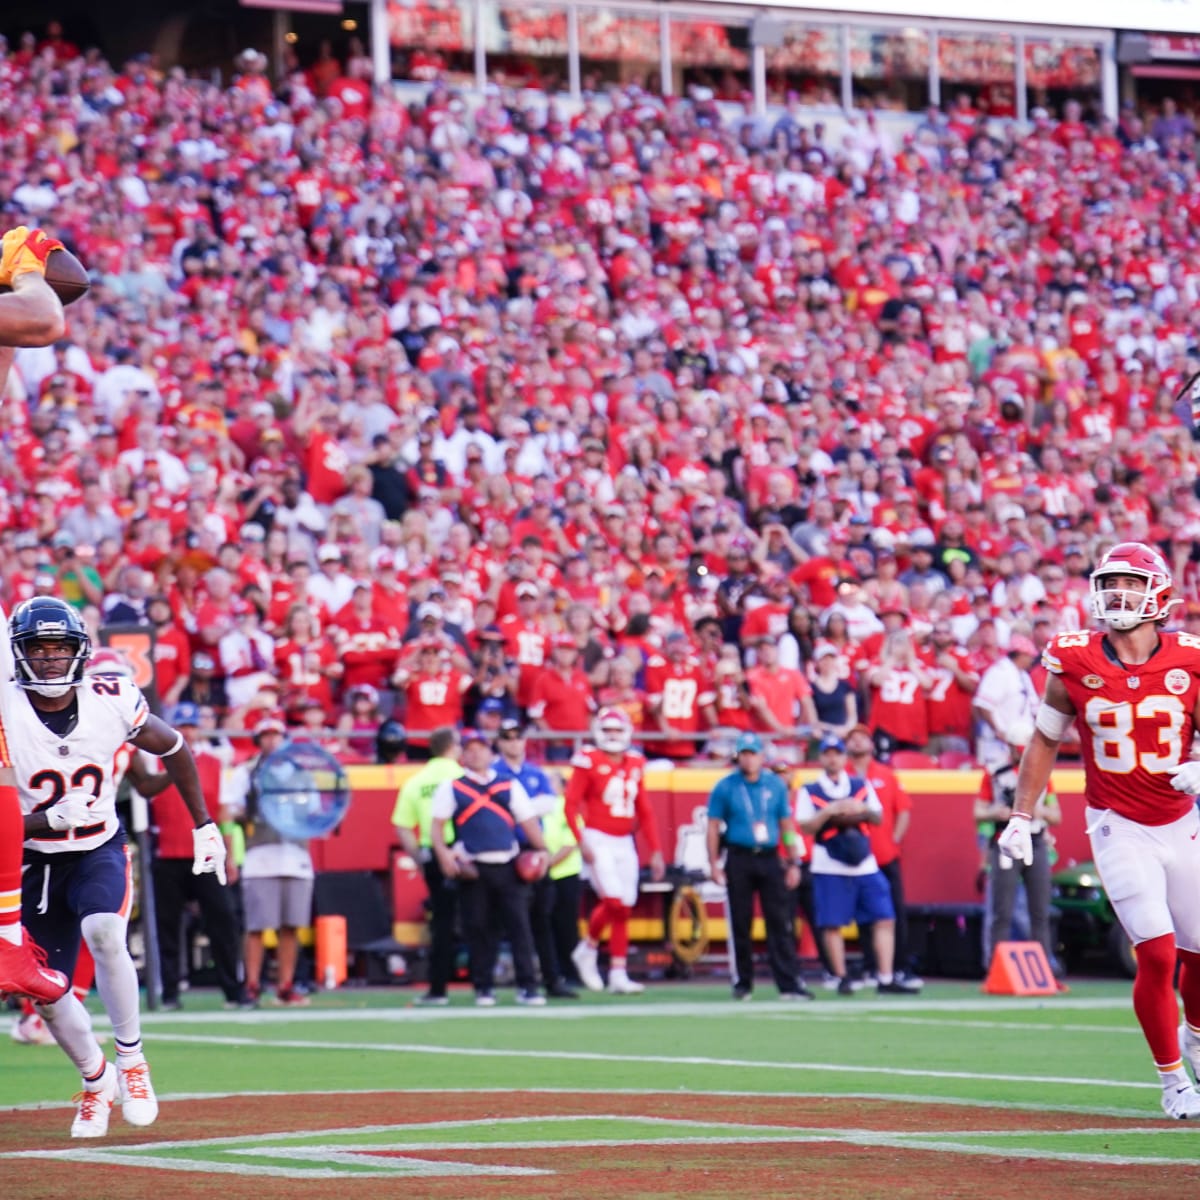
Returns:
(678, 1092)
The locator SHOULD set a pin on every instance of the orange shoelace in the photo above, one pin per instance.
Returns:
(137, 1082)
(89, 1103)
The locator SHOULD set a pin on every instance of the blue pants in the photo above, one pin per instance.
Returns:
(59, 890)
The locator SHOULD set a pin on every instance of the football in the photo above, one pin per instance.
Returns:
(66, 276)
(532, 864)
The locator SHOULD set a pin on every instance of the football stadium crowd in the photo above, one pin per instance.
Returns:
(461, 409)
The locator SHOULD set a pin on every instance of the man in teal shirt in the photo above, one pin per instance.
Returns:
(749, 815)
(413, 818)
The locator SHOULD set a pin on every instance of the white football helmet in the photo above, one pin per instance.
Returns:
(1123, 610)
(612, 730)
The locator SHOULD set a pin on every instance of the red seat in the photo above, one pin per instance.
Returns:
(912, 760)
(956, 760)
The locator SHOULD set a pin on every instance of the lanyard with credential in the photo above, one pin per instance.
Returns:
(758, 822)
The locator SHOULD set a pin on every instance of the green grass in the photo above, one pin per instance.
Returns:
(675, 1036)
(1080, 1054)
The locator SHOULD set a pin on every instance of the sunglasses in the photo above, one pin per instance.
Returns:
(511, 735)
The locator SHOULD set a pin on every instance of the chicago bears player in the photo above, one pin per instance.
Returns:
(66, 732)
(605, 803)
(1133, 689)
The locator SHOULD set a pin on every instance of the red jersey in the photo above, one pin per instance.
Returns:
(302, 669)
(433, 700)
(769, 618)
(730, 703)
(1134, 722)
(783, 689)
(895, 800)
(609, 794)
(369, 649)
(681, 693)
(172, 658)
(898, 707)
(947, 706)
(526, 644)
(564, 702)
(170, 817)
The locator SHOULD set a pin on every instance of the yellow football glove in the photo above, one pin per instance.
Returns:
(23, 249)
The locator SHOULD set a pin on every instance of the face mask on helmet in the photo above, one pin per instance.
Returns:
(35, 627)
(1121, 608)
(613, 731)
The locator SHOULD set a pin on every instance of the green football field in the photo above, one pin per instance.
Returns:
(953, 1078)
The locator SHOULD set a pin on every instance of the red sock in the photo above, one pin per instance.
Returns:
(598, 922)
(618, 940)
(1154, 999)
(606, 913)
(1189, 986)
(12, 835)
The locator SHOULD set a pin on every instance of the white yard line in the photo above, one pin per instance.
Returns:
(657, 1059)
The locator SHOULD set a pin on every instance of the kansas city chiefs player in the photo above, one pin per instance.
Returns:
(1133, 690)
(605, 803)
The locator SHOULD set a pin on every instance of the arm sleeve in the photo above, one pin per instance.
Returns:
(647, 822)
(576, 787)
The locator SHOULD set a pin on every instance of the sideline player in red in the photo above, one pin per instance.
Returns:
(605, 803)
(30, 315)
(1134, 691)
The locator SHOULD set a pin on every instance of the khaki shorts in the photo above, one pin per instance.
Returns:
(277, 903)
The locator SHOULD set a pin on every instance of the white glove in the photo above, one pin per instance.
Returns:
(208, 846)
(1185, 777)
(1016, 842)
(70, 812)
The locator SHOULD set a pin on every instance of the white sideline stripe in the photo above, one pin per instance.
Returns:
(660, 1059)
(1096, 1110)
(828, 1008)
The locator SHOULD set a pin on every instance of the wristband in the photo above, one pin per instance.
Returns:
(202, 824)
(1026, 816)
(175, 747)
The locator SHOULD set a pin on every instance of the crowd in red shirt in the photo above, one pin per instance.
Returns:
(365, 386)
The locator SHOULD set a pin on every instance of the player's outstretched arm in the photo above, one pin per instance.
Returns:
(158, 738)
(31, 314)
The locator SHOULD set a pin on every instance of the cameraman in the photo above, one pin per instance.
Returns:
(994, 804)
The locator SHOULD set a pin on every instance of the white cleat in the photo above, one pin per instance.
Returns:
(31, 1030)
(139, 1105)
(622, 985)
(584, 957)
(1189, 1048)
(1181, 1101)
(91, 1117)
